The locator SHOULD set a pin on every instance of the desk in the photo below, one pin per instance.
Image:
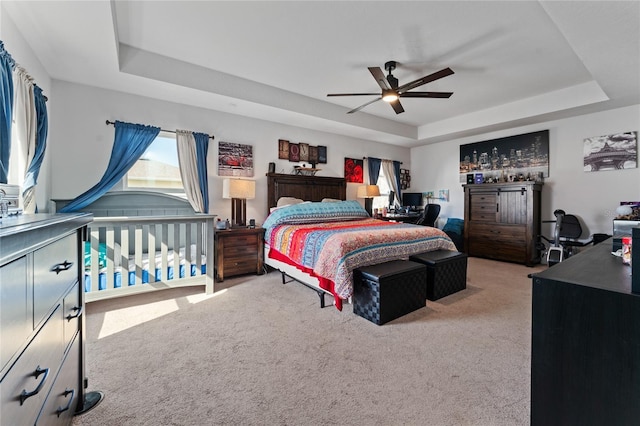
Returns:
(402, 217)
(585, 355)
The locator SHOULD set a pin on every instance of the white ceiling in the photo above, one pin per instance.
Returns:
(515, 63)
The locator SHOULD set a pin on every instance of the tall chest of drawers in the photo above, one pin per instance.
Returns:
(41, 318)
(502, 221)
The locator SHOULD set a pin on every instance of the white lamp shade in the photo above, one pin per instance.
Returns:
(239, 188)
(368, 191)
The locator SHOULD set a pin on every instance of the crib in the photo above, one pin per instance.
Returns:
(143, 241)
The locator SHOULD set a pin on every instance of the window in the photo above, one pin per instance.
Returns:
(157, 168)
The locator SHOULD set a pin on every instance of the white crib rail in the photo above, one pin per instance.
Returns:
(132, 241)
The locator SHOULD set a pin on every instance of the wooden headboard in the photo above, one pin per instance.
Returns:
(308, 188)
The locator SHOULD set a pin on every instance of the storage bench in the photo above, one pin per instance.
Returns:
(446, 272)
(389, 290)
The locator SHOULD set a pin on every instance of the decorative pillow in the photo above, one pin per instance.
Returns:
(316, 213)
(455, 226)
(287, 201)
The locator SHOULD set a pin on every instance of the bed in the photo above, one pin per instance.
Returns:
(319, 243)
(143, 241)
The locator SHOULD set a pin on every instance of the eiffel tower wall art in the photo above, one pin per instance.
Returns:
(611, 152)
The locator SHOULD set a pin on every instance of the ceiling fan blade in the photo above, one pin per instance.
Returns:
(363, 105)
(424, 80)
(377, 73)
(397, 106)
(353, 94)
(426, 95)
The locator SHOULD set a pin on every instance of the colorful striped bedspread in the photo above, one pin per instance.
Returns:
(331, 251)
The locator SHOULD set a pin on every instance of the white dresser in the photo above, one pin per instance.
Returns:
(41, 318)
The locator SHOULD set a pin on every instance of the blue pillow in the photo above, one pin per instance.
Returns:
(316, 213)
(455, 226)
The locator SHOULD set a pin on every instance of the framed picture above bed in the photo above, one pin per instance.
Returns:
(283, 149)
(353, 170)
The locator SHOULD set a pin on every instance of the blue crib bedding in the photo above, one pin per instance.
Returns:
(131, 273)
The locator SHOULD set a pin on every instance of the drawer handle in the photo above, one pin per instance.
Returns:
(61, 410)
(24, 395)
(78, 313)
(64, 266)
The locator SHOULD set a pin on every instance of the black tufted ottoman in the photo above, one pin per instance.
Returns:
(446, 272)
(387, 291)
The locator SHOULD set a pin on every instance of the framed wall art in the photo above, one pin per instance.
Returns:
(611, 152)
(235, 159)
(354, 170)
(519, 157)
(283, 149)
(294, 152)
(304, 151)
(322, 154)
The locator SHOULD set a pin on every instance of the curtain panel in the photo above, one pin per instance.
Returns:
(187, 162)
(392, 174)
(23, 132)
(130, 142)
(374, 169)
(6, 105)
(202, 149)
(42, 129)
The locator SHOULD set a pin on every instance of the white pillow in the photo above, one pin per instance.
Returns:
(287, 201)
(330, 200)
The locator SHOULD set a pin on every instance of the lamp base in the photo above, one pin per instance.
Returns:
(238, 212)
(368, 206)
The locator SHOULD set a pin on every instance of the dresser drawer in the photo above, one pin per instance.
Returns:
(502, 233)
(16, 315)
(24, 388)
(62, 401)
(483, 207)
(497, 242)
(71, 312)
(55, 269)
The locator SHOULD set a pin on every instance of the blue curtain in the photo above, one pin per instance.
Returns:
(202, 147)
(6, 105)
(374, 169)
(130, 142)
(42, 126)
(396, 169)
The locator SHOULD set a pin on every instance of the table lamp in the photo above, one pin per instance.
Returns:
(239, 190)
(368, 192)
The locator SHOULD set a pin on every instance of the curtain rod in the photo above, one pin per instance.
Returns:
(170, 131)
(366, 158)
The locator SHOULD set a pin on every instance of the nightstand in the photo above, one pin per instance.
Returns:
(239, 251)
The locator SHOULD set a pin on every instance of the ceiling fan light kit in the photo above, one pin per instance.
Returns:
(392, 93)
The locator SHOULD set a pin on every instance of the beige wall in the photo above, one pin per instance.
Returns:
(593, 196)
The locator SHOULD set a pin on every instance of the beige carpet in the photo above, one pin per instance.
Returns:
(262, 353)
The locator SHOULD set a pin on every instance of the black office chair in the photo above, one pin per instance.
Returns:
(566, 237)
(429, 215)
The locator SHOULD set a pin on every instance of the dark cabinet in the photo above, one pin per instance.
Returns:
(585, 342)
(41, 312)
(502, 221)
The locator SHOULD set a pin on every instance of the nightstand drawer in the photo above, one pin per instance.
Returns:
(240, 240)
(239, 266)
(234, 251)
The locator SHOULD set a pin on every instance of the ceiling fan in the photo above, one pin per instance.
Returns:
(392, 93)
